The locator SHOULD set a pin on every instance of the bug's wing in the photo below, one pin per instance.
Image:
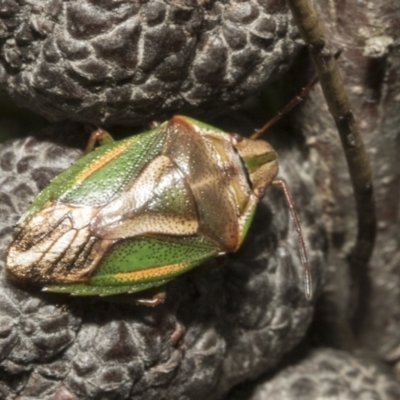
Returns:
(65, 243)
(56, 245)
(153, 228)
(158, 201)
(99, 176)
(139, 263)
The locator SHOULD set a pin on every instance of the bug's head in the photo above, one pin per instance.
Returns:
(260, 160)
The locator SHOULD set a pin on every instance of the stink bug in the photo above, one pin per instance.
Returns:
(134, 214)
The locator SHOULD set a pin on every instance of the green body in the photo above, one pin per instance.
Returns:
(134, 214)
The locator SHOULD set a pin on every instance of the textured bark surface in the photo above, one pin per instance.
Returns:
(326, 374)
(126, 62)
(216, 329)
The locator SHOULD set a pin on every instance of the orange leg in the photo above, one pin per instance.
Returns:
(98, 136)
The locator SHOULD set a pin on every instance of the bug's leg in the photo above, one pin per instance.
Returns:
(177, 334)
(302, 246)
(158, 298)
(98, 136)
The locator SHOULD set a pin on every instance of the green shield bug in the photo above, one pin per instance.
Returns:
(133, 214)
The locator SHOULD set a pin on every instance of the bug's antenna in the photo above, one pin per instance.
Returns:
(293, 103)
(302, 247)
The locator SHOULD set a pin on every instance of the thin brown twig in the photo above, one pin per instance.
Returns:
(353, 146)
